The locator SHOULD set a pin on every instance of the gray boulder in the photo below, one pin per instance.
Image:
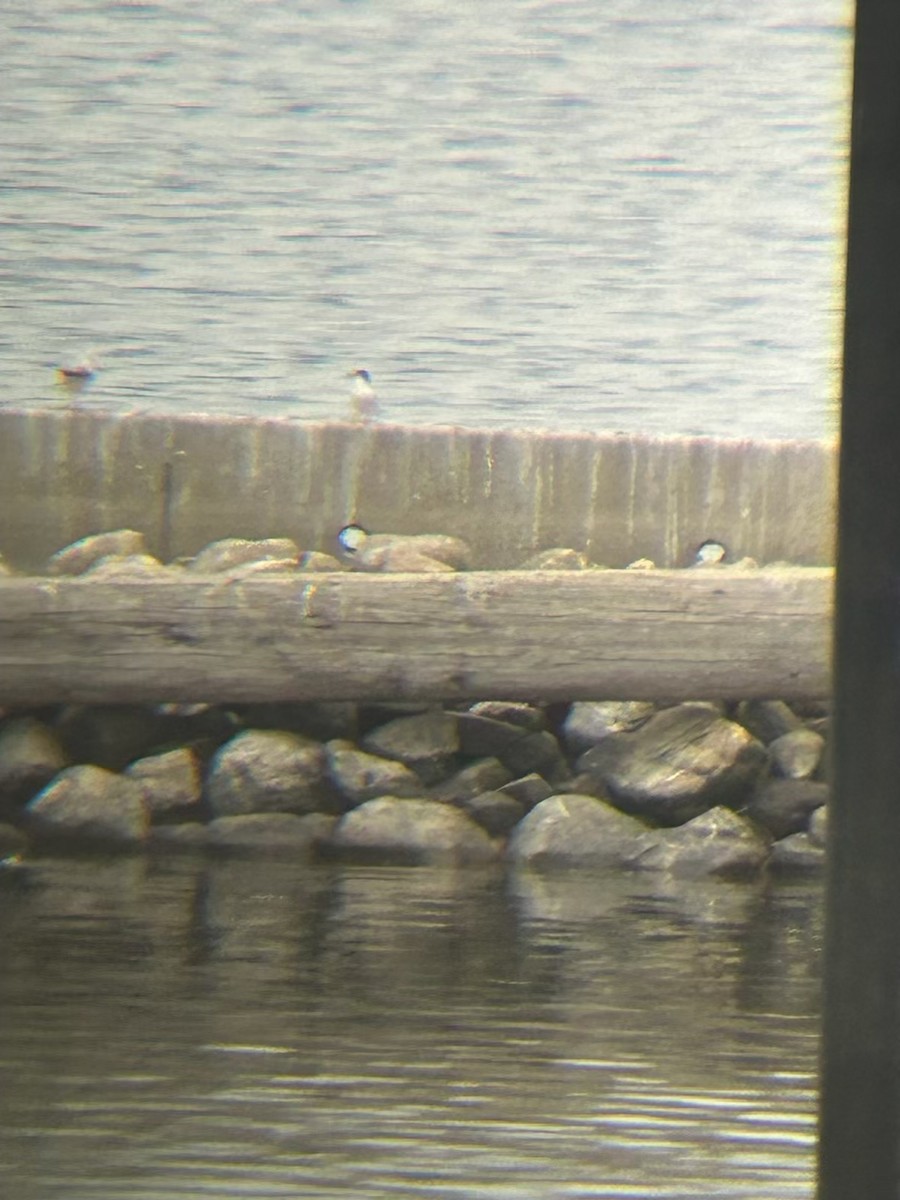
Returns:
(272, 833)
(574, 831)
(497, 813)
(784, 806)
(683, 761)
(590, 721)
(89, 804)
(717, 843)
(539, 752)
(393, 830)
(30, 756)
(170, 783)
(529, 790)
(798, 754)
(428, 743)
(767, 719)
(358, 776)
(484, 775)
(263, 770)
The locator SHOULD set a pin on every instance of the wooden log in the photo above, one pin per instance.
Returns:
(474, 635)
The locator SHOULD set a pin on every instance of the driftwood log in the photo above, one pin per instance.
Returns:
(476, 635)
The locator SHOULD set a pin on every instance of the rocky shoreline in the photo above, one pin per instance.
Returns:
(697, 789)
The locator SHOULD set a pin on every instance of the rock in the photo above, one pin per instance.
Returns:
(126, 566)
(590, 721)
(784, 806)
(529, 790)
(798, 754)
(271, 833)
(89, 804)
(718, 842)
(393, 830)
(818, 826)
(511, 712)
(315, 560)
(641, 564)
(485, 775)
(495, 812)
(359, 776)
(767, 719)
(574, 831)
(383, 551)
(682, 762)
(30, 756)
(264, 770)
(170, 783)
(77, 557)
(229, 553)
(559, 558)
(798, 852)
(427, 742)
(536, 752)
(109, 735)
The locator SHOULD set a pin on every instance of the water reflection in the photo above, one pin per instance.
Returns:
(183, 1028)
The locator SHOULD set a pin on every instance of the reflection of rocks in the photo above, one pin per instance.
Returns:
(682, 762)
(718, 842)
(271, 833)
(89, 804)
(392, 830)
(575, 831)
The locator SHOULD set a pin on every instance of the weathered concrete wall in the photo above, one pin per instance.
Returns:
(185, 481)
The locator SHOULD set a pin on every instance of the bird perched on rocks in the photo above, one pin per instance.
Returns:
(363, 398)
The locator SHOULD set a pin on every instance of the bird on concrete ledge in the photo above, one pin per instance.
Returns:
(363, 398)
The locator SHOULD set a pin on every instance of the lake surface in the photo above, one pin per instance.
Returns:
(563, 215)
(170, 1030)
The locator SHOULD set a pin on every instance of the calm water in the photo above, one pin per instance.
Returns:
(563, 214)
(268, 1030)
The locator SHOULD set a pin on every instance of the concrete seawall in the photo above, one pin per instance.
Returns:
(188, 480)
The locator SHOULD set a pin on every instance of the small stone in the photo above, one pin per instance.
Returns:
(767, 719)
(77, 557)
(359, 776)
(170, 783)
(718, 842)
(427, 742)
(574, 831)
(511, 712)
(784, 806)
(228, 553)
(267, 771)
(411, 832)
(89, 804)
(641, 564)
(798, 754)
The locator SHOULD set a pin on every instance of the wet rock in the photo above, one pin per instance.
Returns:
(126, 566)
(264, 770)
(683, 761)
(767, 719)
(798, 754)
(511, 712)
(818, 826)
(485, 775)
(89, 804)
(590, 721)
(392, 830)
(427, 742)
(170, 784)
(359, 776)
(495, 812)
(108, 735)
(717, 843)
(536, 752)
(229, 553)
(798, 852)
(77, 557)
(529, 790)
(275, 833)
(30, 756)
(784, 806)
(559, 558)
(574, 831)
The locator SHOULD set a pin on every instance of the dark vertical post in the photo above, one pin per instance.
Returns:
(859, 1152)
